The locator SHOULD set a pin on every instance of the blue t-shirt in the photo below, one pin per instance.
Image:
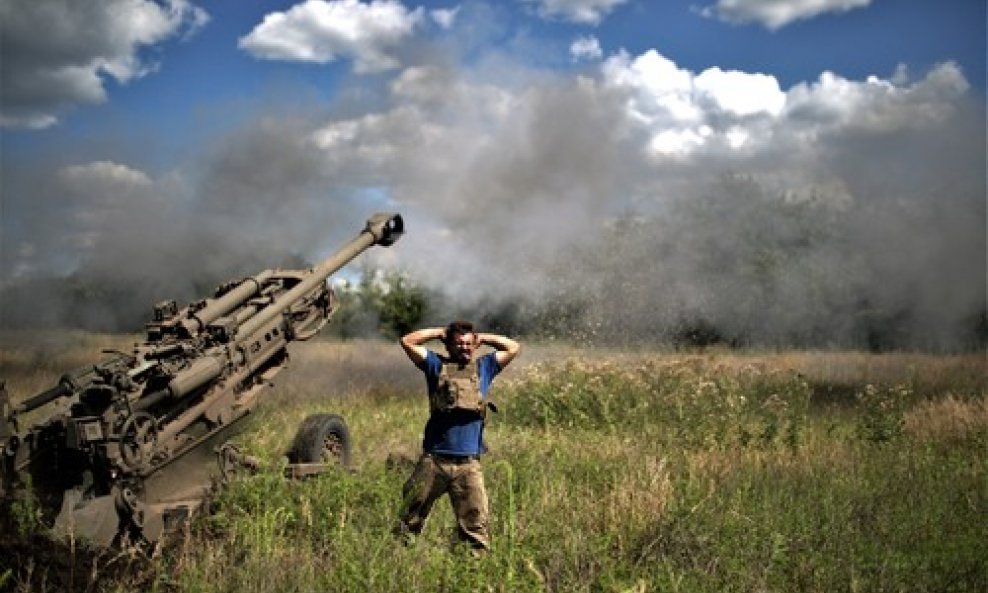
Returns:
(458, 432)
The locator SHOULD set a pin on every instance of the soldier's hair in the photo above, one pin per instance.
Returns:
(458, 327)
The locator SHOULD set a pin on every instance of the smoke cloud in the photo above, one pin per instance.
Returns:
(649, 199)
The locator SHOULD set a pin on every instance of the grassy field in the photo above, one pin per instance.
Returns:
(608, 471)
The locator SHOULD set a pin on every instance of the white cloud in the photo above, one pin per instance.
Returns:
(775, 14)
(321, 31)
(445, 17)
(29, 121)
(590, 12)
(684, 112)
(875, 104)
(58, 53)
(679, 142)
(104, 175)
(585, 48)
(659, 91)
(740, 93)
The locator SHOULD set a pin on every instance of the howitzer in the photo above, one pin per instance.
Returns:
(128, 446)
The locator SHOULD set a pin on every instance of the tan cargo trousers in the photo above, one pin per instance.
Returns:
(463, 479)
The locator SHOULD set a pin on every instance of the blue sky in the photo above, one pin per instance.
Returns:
(224, 134)
(199, 70)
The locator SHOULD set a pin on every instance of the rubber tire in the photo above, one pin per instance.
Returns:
(309, 445)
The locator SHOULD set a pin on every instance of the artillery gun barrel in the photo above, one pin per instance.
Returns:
(67, 385)
(381, 229)
(229, 301)
(60, 390)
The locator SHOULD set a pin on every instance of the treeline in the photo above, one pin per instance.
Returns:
(388, 303)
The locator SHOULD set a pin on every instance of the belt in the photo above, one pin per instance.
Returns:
(457, 459)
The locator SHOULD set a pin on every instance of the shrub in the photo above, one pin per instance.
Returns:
(882, 412)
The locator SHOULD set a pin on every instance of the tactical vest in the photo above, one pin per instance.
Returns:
(458, 389)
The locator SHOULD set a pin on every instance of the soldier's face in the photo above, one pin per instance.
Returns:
(462, 346)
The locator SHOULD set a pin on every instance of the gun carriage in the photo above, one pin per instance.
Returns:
(128, 447)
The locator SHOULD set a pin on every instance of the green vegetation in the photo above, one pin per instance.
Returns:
(614, 472)
(383, 303)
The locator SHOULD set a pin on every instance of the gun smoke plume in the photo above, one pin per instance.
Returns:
(832, 213)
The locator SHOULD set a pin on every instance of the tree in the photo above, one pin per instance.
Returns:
(386, 304)
(401, 305)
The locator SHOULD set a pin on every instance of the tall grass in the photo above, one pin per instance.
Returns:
(614, 472)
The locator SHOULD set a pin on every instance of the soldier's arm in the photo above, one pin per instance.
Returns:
(412, 342)
(506, 348)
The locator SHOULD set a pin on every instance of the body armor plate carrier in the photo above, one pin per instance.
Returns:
(458, 389)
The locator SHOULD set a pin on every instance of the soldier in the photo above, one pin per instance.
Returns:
(454, 434)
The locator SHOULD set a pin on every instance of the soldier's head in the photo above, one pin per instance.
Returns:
(461, 341)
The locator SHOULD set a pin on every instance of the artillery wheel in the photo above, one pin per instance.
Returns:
(138, 436)
(321, 438)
